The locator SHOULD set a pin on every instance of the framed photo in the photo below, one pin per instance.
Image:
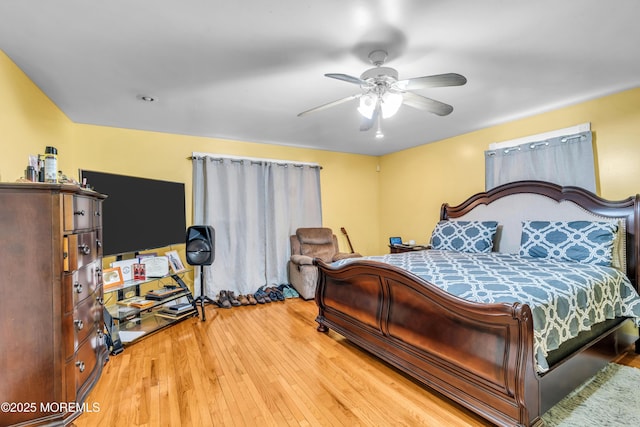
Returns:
(157, 266)
(112, 277)
(174, 261)
(139, 272)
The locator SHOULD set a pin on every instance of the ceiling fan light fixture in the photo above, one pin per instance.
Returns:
(367, 105)
(391, 103)
(382, 94)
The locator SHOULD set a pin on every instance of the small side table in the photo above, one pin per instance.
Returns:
(396, 249)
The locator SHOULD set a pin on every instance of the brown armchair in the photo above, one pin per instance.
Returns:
(307, 244)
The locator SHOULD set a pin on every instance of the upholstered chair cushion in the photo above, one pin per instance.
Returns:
(317, 243)
(302, 259)
(315, 236)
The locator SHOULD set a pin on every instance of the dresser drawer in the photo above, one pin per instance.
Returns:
(85, 316)
(86, 358)
(81, 323)
(80, 284)
(78, 370)
(81, 249)
(81, 213)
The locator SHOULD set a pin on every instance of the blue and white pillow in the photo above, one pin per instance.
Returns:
(587, 242)
(464, 236)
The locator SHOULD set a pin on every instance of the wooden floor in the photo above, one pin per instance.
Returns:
(262, 365)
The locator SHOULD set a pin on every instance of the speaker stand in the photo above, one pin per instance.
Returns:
(202, 299)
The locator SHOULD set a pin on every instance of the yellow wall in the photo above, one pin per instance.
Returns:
(164, 156)
(415, 182)
(29, 121)
(402, 199)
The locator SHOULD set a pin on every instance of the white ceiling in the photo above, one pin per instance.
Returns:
(243, 70)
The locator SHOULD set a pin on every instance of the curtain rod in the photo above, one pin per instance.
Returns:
(534, 145)
(197, 155)
(583, 127)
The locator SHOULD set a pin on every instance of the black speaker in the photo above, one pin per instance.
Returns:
(200, 248)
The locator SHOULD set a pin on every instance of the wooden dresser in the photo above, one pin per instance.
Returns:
(52, 345)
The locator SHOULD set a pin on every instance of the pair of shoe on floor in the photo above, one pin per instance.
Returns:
(288, 291)
(268, 294)
(227, 299)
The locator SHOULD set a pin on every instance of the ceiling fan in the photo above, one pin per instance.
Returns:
(383, 94)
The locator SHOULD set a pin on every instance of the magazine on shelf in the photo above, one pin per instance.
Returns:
(138, 302)
(126, 312)
(167, 315)
(178, 308)
(162, 293)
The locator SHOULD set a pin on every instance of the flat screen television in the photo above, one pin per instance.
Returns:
(139, 213)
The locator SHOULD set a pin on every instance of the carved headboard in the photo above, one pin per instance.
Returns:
(512, 203)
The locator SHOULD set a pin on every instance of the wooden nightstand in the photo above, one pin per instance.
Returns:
(396, 249)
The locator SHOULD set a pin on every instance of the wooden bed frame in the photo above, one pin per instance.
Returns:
(479, 355)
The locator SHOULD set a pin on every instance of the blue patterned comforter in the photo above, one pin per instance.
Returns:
(565, 297)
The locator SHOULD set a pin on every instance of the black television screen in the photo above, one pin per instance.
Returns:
(139, 213)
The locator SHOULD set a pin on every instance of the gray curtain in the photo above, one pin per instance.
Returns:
(253, 207)
(565, 160)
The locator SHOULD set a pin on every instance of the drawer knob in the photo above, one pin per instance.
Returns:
(98, 243)
(98, 213)
(78, 287)
(100, 300)
(85, 249)
(80, 212)
(79, 324)
(80, 365)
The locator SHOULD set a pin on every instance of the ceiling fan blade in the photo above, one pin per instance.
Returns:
(423, 103)
(347, 78)
(330, 104)
(439, 80)
(366, 124)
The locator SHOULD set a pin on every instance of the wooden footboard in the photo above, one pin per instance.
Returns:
(479, 355)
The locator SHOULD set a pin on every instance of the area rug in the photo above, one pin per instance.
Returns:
(611, 398)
